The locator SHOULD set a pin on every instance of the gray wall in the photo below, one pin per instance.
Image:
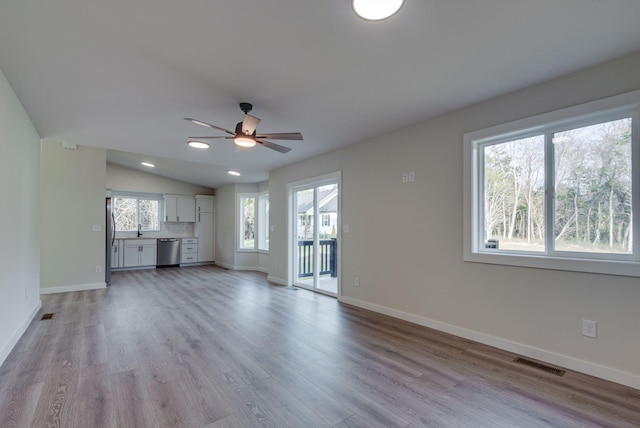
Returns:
(405, 240)
(19, 219)
(72, 200)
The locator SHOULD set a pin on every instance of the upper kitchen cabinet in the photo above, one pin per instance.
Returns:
(179, 208)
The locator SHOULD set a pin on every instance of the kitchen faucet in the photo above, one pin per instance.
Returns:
(139, 227)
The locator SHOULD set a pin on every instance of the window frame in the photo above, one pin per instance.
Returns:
(240, 218)
(262, 222)
(626, 105)
(138, 196)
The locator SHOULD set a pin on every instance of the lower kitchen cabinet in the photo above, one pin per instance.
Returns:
(139, 252)
(189, 251)
(116, 257)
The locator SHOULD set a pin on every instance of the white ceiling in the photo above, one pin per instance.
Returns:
(122, 74)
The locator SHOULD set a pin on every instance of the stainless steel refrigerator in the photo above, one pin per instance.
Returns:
(109, 240)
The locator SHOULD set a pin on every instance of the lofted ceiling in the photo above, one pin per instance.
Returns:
(123, 74)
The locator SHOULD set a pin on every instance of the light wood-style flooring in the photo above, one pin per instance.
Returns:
(207, 347)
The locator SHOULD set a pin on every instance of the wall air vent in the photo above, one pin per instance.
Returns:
(540, 366)
(46, 317)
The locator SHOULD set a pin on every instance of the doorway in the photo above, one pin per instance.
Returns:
(314, 231)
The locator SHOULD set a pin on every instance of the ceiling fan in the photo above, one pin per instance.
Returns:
(245, 132)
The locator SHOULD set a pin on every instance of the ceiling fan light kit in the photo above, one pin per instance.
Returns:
(376, 10)
(244, 141)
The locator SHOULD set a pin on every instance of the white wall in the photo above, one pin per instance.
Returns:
(19, 219)
(72, 200)
(412, 267)
(122, 178)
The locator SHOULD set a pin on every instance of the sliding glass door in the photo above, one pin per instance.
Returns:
(314, 231)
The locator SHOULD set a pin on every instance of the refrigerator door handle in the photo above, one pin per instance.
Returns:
(113, 228)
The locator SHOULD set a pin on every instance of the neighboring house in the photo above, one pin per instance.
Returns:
(327, 208)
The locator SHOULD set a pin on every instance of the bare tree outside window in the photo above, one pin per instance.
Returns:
(131, 211)
(592, 209)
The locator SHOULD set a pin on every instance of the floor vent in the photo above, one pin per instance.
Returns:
(540, 366)
(46, 317)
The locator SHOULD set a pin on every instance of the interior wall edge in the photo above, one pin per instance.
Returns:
(22, 327)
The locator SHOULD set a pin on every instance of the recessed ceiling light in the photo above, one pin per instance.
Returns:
(198, 145)
(150, 165)
(375, 10)
(232, 172)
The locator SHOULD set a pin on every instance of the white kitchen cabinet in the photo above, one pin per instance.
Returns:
(179, 208)
(116, 251)
(204, 228)
(139, 252)
(189, 250)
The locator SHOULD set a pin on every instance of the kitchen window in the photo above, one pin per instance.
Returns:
(556, 191)
(133, 209)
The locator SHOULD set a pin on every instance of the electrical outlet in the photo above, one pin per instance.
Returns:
(588, 328)
(357, 281)
(405, 177)
(412, 176)
(98, 269)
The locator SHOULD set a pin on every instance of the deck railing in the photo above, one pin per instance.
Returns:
(328, 257)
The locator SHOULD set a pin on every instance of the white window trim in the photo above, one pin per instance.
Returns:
(259, 222)
(541, 124)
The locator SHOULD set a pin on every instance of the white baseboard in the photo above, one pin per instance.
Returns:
(8, 347)
(70, 288)
(572, 363)
(277, 280)
(243, 268)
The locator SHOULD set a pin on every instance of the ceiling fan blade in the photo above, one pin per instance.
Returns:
(207, 138)
(273, 146)
(282, 136)
(199, 122)
(249, 124)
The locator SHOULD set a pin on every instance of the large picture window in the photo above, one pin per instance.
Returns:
(137, 210)
(557, 190)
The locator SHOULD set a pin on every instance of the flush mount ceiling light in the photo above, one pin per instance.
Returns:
(376, 10)
(198, 145)
(232, 172)
(147, 164)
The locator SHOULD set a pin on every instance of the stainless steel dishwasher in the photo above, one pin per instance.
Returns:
(168, 252)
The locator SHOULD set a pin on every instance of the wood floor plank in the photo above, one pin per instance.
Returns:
(56, 397)
(132, 403)
(94, 405)
(18, 406)
(208, 347)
